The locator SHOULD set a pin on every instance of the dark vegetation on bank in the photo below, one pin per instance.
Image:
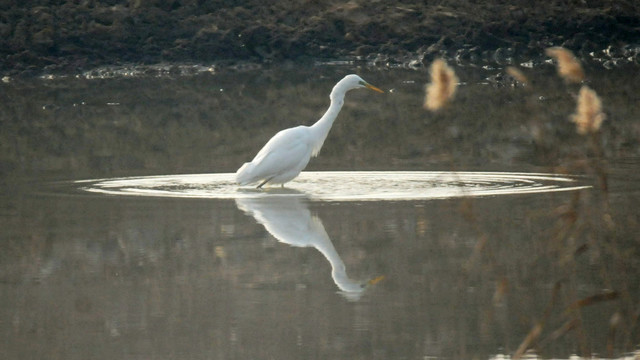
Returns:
(62, 36)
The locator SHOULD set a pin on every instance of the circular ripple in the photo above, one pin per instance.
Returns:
(342, 186)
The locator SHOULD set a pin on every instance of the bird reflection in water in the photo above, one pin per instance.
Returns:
(286, 216)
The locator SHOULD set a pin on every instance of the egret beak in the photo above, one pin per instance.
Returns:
(369, 86)
(379, 278)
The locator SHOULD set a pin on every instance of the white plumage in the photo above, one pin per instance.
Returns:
(286, 154)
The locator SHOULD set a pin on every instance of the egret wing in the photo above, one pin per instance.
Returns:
(283, 153)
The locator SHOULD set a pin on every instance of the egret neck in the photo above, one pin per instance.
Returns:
(321, 128)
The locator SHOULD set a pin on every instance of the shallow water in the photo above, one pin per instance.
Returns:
(413, 235)
(341, 185)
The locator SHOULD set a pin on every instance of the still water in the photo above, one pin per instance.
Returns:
(472, 233)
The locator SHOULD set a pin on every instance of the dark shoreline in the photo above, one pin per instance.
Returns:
(74, 36)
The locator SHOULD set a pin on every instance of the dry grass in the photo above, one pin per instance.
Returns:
(588, 116)
(568, 66)
(442, 87)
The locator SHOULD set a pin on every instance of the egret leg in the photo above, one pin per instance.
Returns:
(264, 182)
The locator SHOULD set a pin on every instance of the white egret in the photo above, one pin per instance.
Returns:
(287, 153)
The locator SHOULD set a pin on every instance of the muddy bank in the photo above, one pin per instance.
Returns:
(70, 36)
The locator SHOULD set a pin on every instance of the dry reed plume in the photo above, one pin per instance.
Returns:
(568, 66)
(588, 116)
(442, 87)
(517, 74)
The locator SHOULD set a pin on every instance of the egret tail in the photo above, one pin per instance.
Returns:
(244, 175)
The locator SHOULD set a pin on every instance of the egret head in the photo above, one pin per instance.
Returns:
(354, 82)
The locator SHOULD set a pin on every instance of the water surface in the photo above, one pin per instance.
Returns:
(342, 186)
(413, 235)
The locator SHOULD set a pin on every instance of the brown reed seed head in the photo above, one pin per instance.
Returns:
(442, 87)
(568, 66)
(588, 116)
(517, 74)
